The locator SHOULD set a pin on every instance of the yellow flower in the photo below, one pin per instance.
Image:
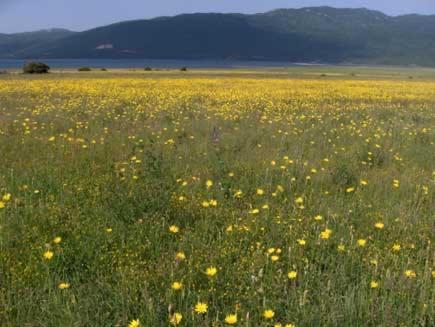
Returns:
(176, 286)
(318, 218)
(363, 182)
(57, 239)
(209, 184)
(211, 271)
(325, 234)
(48, 255)
(350, 190)
(410, 274)
(260, 191)
(396, 247)
(268, 314)
(63, 286)
(362, 242)
(7, 197)
(2, 205)
(201, 308)
(341, 247)
(289, 325)
(134, 323)
(109, 230)
(374, 284)
(274, 258)
(254, 211)
(379, 225)
(292, 274)
(205, 204)
(301, 242)
(180, 256)
(299, 200)
(51, 139)
(231, 319)
(238, 194)
(176, 319)
(174, 229)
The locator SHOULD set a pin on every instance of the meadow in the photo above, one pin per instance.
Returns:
(217, 198)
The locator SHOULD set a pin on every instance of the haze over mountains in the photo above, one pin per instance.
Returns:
(320, 34)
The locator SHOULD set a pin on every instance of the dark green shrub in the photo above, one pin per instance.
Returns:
(148, 69)
(34, 67)
(183, 69)
(84, 69)
(103, 69)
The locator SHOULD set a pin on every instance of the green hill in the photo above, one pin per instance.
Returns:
(10, 44)
(319, 34)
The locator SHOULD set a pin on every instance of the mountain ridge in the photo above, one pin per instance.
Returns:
(309, 34)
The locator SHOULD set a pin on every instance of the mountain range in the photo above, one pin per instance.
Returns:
(317, 34)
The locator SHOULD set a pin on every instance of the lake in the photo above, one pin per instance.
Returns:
(141, 63)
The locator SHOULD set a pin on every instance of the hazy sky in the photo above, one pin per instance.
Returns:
(27, 15)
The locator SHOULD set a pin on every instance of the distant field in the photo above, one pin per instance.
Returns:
(314, 71)
(278, 197)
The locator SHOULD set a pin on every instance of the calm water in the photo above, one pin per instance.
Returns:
(141, 63)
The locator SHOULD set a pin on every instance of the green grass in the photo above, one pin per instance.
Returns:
(113, 211)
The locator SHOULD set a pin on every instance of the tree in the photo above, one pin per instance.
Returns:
(35, 68)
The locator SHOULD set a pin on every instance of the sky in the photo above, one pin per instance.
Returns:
(79, 15)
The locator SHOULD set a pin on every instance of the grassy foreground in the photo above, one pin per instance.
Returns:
(209, 201)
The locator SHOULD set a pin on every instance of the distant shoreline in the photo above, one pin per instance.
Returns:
(162, 64)
(153, 63)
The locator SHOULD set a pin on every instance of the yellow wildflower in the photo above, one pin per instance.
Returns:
(48, 255)
(7, 197)
(379, 225)
(176, 319)
(292, 274)
(176, 286)
(180, 256)
(211, 271)
(134, 323)
(410, 273)
(231, 319)
(374, 284)
(268, 314)
(201, 308)
(325, 234)
(63, 286)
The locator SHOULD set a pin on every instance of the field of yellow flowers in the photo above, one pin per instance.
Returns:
(195, 200)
